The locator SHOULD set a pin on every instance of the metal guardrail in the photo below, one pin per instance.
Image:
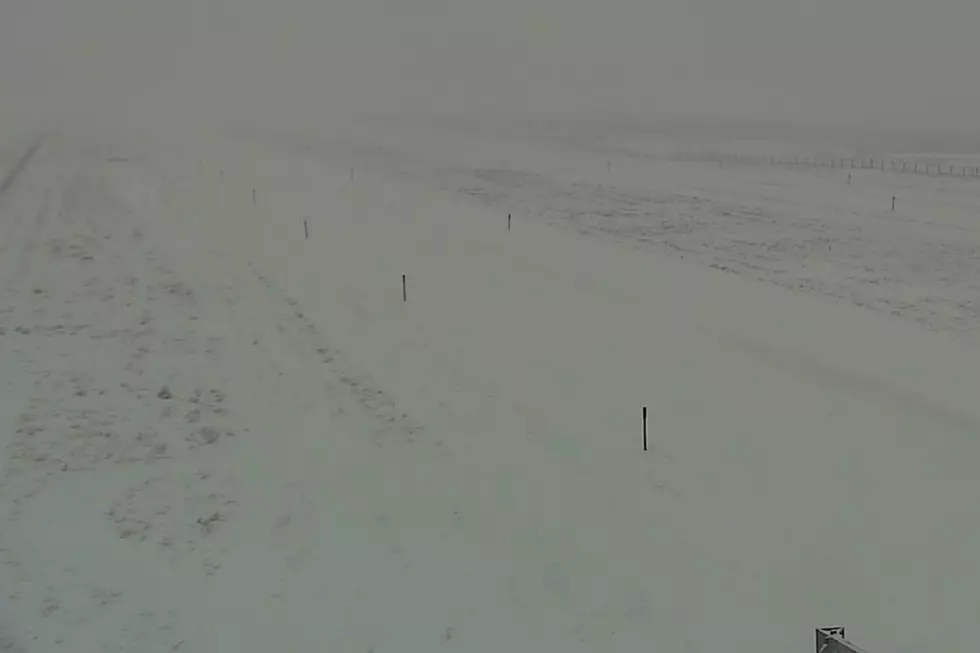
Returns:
(833, 640)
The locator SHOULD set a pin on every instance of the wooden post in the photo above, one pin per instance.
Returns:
(644, 428)
(306, 229)
(404, 288)
(893, 203)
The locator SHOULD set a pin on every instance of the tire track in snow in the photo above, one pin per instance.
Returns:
(369, 397)
(18, 168)
(113, 321)
(13, 239)
(12, 252)
(890, 397)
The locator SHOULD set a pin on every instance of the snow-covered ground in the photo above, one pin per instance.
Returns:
(219, 435)
(806, 229)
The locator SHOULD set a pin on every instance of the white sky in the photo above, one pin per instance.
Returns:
(896, 62)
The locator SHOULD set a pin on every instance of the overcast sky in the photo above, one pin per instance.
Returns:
(905, 62)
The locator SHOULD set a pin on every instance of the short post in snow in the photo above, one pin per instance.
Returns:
(253, 196)
(893, 203)
(404, 288)
(306, 229)
(644, 428)
(508, 222)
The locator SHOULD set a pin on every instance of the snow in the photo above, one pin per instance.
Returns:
(334, 468)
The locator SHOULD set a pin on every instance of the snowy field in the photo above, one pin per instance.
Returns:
(803, 229)
(219, 435)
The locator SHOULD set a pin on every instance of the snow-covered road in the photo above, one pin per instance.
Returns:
(220, 435)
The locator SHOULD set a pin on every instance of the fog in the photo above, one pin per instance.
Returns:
(332, 384)
(900, 63)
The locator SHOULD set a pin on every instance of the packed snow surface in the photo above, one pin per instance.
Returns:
(224, 428)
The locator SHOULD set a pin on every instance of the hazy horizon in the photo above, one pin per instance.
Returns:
(375, 326)
(895, 64)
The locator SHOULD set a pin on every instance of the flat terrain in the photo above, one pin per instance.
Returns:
(218, 434)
